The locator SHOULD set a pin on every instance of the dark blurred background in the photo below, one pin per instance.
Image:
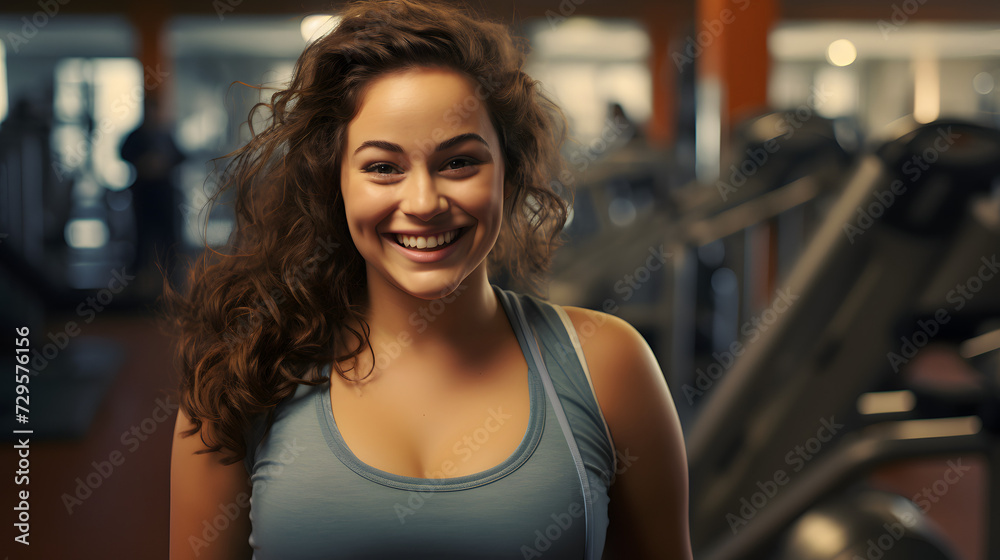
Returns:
(731, 160)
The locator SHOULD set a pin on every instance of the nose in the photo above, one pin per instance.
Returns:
(421, 198)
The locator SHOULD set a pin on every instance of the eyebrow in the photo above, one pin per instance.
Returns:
(396, 148)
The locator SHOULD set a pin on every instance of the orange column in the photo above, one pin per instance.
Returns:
(732, 35)
(733, 68)
(150, 21)
(663, 25)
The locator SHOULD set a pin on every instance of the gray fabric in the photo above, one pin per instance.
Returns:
(312, 498)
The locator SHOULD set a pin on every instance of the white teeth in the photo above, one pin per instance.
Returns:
(417, 242)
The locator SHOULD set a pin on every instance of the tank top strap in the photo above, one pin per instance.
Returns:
(544, 333)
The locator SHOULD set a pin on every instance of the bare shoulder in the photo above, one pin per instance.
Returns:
(596, 326)
(649, 500)
(620, 361)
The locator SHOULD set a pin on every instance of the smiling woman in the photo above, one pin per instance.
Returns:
(386, 400)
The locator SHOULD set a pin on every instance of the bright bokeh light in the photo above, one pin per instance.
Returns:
(926, 88)
(825, 536)
(708, 129)
(883, 402)
(983, 83)
(97, 102)
(3, 83)
(839, 87)
(586, 64)
(314, 27)
(118, 109)
(592, 38)
(621, 212)
(841, 52)
(86, 233)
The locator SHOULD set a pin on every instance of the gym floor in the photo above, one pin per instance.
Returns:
(126, 513)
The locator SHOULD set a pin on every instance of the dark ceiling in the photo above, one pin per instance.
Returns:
(952, 10)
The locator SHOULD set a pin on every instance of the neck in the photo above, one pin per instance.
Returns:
(448, 324)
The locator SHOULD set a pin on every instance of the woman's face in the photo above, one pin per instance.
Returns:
(422, 181)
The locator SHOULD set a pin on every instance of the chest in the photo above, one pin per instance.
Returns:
(423, 424)
(306, 503)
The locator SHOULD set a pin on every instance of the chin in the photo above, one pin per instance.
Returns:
(432, 286)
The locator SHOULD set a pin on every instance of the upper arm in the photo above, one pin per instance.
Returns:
(201, 490)
(649, 500)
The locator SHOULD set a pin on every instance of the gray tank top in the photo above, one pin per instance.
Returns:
(314, 499)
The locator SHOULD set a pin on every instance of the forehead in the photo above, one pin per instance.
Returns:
(419, 106)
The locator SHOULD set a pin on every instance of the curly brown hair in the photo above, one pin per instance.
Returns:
(260, 321)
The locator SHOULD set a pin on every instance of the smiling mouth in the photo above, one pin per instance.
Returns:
(430, 242)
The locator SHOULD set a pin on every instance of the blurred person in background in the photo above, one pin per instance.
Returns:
(154, 155)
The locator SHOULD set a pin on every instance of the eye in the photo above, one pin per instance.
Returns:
(461, 165)
(381, 169)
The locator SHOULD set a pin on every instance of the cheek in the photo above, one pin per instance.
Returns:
(497, 193)
(359, 211)
(350, 211)
(487, 206)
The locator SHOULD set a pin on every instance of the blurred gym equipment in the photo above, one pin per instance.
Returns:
(71, 371)
(863, 525)
(782, 174)
(903, 258)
